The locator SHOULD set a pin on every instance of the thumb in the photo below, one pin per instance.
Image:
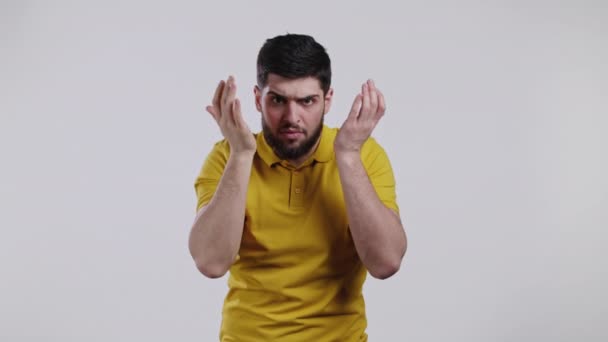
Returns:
(213, 113)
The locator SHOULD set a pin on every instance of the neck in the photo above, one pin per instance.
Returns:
(299, 161)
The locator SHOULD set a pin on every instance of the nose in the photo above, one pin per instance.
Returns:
(291, 112)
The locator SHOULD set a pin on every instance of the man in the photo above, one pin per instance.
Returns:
(300, 212)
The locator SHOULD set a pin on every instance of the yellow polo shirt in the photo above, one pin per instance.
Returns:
(297, 276)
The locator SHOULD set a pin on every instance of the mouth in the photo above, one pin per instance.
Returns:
(290, 133)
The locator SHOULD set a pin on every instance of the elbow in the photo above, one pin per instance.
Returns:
(390, 262)
(210, 267)
(387, 270)
(211, 270)
(389, 267)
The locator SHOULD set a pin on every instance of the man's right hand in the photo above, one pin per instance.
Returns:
(226, 110)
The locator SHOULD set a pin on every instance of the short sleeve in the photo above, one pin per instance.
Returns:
(380, 173)
(211, 173)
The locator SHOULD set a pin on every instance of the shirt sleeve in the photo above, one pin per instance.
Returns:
(380, 173)
(211, 173)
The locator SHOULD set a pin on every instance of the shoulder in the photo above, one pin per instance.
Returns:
(373, 155)
(221, 146)
(372, 149)
(331, 131)
(220, 151)
(216, 159)
(370, 146)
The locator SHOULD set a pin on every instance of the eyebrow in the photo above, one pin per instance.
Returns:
(298, 99)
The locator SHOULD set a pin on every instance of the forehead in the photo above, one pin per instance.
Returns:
(298, 87)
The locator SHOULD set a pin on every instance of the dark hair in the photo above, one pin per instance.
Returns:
(294, 56)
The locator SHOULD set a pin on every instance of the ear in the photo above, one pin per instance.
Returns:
(257, 92)
(327, 99)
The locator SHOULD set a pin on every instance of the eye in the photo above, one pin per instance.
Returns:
(277, 100)
(307, 101)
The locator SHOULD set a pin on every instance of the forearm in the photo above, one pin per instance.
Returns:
(216, 234)
(377, 231)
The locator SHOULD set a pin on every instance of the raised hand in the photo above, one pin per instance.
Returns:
(366, 111)
(226, 110)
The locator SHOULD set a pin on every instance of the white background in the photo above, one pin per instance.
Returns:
(496, 128)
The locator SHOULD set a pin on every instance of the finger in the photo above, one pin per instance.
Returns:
(380, 113)
(381, 104)
(228, 84)
(214, 113)
(236, 112)
(355, 108)
(365, 106)
(218, 94)
(373, 96)
(240, 122)
(230, 92)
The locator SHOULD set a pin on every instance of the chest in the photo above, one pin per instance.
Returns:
(295, 212)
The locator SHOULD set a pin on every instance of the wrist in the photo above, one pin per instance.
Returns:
(246, 155)
(347, 156)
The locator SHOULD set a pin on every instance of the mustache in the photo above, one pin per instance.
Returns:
(291, 128)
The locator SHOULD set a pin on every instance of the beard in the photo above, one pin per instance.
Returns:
(286, 152)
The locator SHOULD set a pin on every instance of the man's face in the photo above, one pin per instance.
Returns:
(292, 114)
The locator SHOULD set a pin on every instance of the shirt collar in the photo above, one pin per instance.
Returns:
(322, 154)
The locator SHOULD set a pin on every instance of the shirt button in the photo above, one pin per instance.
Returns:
(298, 190)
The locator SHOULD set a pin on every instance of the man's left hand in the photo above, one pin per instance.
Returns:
(364, 115)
